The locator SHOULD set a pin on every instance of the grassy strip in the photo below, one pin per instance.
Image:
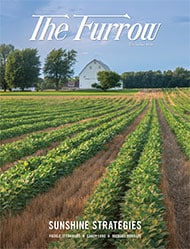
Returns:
(72, 93)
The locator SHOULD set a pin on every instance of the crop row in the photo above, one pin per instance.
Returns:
(105, 203)
(57, 113)
(181, 104)
(142, 200)
(35, 175)
(178, 114)
(179, 127)
(25, 109)
(181, 98)
(27, 146)
(67, 118)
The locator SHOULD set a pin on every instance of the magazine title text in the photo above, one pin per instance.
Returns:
(93, 27)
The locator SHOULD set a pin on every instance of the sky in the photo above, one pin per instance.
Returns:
(169, 49)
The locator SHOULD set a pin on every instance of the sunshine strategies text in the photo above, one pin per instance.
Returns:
(93, 27)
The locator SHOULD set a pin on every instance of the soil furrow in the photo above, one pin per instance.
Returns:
(65, 201)
(176, 188)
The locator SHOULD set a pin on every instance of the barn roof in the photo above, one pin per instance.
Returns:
(100, 62)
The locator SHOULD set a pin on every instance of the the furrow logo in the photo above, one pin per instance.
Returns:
(93, 27)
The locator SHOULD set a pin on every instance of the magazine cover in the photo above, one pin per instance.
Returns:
(95, 124)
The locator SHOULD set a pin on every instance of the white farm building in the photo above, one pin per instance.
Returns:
(88, 75)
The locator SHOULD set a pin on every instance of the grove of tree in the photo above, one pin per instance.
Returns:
(180, 77)
(21, 68)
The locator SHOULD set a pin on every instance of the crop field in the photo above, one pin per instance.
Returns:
(114, 158)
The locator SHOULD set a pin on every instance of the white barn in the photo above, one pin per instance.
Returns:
(88, 75)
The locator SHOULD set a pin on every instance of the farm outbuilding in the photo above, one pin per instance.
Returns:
(88, 75)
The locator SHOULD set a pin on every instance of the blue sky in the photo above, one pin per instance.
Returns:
(170, 49)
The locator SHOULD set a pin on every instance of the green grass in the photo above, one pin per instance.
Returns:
(72, 93)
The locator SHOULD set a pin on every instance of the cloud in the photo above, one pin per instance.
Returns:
(57, 7)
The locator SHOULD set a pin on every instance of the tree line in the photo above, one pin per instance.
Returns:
(21, 69)
(180, 77)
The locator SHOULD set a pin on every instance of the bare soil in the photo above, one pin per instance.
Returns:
(176, 188)
(149, 94)
(65, 201)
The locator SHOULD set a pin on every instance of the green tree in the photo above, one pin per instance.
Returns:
(107, 79)
(58, 66)
(31, 67)
(14, 69)
(168, 78)
(40, 85)
(128, 79)
(157, 79)
(181, 77)
(22, 68)
(5, 50)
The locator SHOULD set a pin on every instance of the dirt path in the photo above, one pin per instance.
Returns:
(65, 201)
(176, 188)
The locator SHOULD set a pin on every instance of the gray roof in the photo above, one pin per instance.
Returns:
(101, 63)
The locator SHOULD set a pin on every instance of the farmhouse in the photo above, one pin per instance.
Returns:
(88, 75)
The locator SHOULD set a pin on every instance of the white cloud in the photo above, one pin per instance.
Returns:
(60, 7)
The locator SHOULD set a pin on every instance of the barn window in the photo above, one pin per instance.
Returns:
(90, 67)
(99, 67)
